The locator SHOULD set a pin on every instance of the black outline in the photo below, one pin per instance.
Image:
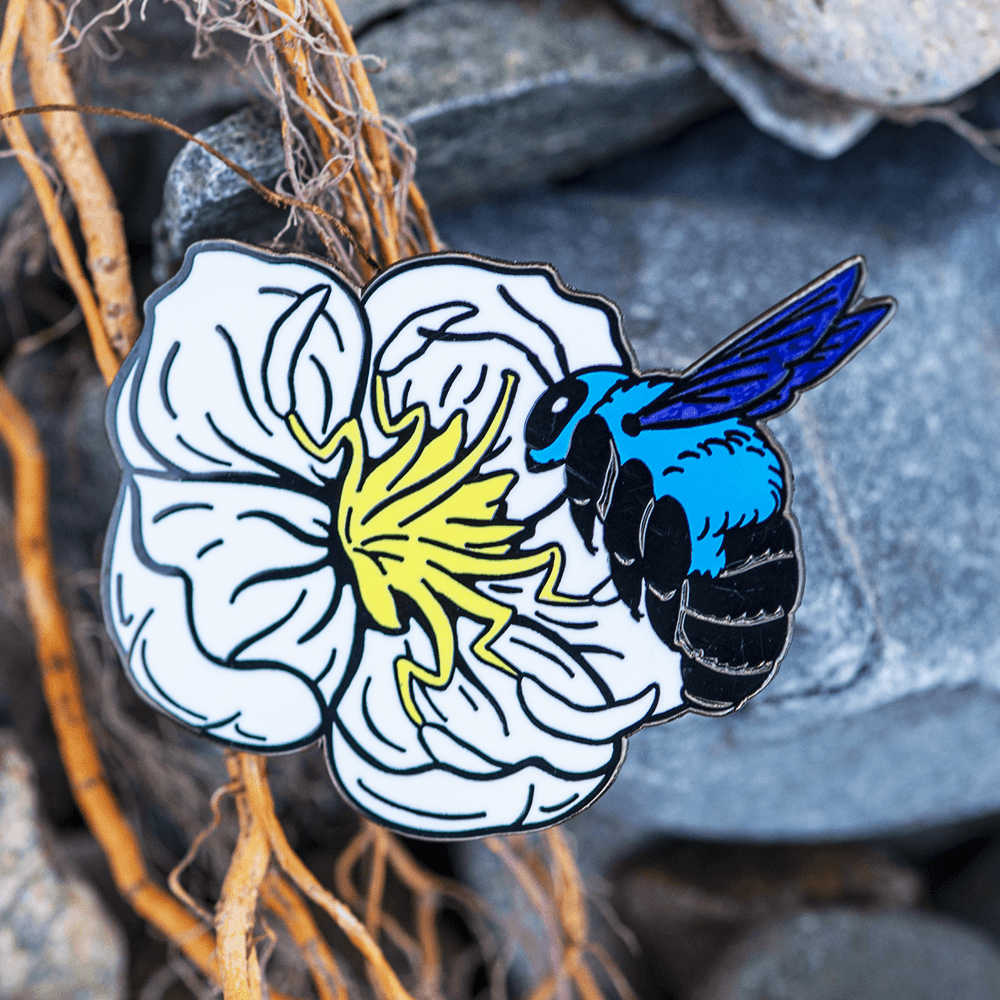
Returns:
(206, 548)
(165, 374)
(240, 378)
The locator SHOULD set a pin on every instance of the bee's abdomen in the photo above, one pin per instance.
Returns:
(733, 629)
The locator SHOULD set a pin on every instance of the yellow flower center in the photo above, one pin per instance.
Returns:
(422, 524)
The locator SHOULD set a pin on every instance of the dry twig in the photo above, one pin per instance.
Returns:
(59, 232)
(252, 771)
(100, 221)
(61, 684)
(286, 904)
(237, 910)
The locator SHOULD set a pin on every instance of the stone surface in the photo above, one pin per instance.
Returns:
(155, 73)
(974, 893)
(497, 96)
(55, 937)
(821, 124)
(500, 95)
(686, 902)
(891, 52)
(884, 715)
(203, 198)
(830, 955)
(809, 120)
(362, 15)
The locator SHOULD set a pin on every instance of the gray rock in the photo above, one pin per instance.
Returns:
(496, 97)
(12, 188)
(56, 939)
(829, 955)
(499, 95)
(686, 902)
(974, 893)
(812, 121)
(203, 198)
(362, 15)
(155, 72)
(892, 52)
(820, 124)
(884, 715)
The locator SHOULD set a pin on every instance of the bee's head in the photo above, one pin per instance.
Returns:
(559, 409)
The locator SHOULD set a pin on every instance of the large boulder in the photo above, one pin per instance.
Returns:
(820, 122)
(890, 52)
(501, 94)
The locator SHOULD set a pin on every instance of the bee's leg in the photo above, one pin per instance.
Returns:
(590, 464)
(666, 558)
(624, 526)
(734, 628)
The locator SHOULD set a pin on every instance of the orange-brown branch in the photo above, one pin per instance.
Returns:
(100, 221)
(351, 192)
(262, 805)
(286, 904)
(61, 684)
(272, 197)
(59, 232)
(236, 913)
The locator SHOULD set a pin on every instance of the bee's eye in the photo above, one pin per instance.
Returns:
(553, 411)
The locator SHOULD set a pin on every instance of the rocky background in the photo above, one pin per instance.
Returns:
(696, 162)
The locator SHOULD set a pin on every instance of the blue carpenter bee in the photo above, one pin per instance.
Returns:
(692, 489)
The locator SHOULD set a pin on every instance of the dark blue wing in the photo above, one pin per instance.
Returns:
(760, 371)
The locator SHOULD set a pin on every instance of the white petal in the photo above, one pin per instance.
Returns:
(481, 707)
(445, 330)
(624, 652)
(478, 763)
(589, 724)
(194, 399)
(266, 707)
(438, 802)
(447, 749)
(285, 343)
(369, 709)
(257, 560)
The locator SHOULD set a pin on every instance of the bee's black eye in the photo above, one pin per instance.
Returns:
(553, 411)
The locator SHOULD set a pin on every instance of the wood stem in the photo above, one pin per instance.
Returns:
(100, 220)
(262, 804)
(61, 685)
(62, 240)
(236, 913)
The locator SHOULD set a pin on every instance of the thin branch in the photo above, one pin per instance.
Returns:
(286, 904)
(59, 232)
(237, 909)
(262, 805)
(61, 685)
(272, 197)
(100, 221)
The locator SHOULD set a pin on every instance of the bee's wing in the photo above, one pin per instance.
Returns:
(761, 369)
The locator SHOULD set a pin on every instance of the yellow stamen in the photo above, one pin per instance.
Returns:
(425, 526)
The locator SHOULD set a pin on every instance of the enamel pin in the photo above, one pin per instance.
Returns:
(446, 526)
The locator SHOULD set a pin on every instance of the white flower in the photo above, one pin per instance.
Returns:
(326, 528)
